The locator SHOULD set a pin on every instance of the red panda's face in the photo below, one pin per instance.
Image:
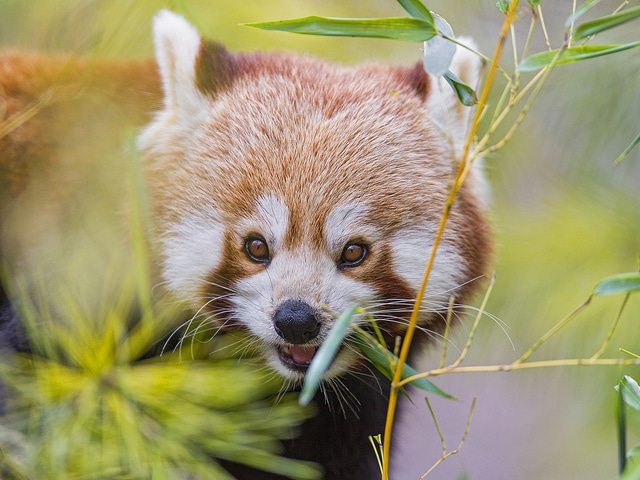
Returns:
(287, 190)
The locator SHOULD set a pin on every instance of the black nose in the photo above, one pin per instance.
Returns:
(296, 322)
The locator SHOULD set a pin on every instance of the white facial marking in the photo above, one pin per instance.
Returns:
(411, 249)
(305, 273)
(271, 221)
(192, 250)
(346, 222)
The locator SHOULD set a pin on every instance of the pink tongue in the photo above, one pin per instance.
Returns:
(302, 354)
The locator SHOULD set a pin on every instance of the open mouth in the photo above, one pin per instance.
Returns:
(297, 357)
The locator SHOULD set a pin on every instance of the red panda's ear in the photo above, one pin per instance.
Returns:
(452, 118)
(177, 45)
(444, 107)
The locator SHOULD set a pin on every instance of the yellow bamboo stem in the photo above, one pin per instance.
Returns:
(462, 171)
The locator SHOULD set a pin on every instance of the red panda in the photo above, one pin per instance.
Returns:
(284, 190)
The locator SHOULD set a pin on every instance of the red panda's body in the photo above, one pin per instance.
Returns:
(284, 191)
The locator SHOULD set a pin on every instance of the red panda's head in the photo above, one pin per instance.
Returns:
(287, 190)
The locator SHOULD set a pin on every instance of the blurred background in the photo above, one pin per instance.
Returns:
(564, 214)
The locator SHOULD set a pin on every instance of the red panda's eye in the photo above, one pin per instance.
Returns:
(353, 254)
(257, 249)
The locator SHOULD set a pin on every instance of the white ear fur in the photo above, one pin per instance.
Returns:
(452, 118)
(177, 45)
(449, 115)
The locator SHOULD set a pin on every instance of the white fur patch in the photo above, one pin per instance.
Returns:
(304, 273)
(177, 45)
(452, 119)
(271, 221)
(448, 115)
(411, 249)
(301, 274)
(346, 222)
(192, 250)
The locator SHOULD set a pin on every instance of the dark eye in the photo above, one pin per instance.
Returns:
(257, 249)
(353, 255)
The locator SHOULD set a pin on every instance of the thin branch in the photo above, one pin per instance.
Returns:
(446, 454)
(476, 322)
(555, 329)
(544, 27)
(611, 331)
(512, 367)
(447, 331)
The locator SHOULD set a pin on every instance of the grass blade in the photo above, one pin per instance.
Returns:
(601, 24)
(581, 10)
(621, 411)
(572, 55)
(324, 356)
(408, 29)
(627, 150)
(622, 283)
(416, 9)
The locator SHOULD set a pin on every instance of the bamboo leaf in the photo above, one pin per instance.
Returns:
(439, 51)
(382, 359)
(621, 414)
(601, 24)
(408, 29)
(324, 356)
(571, 55)
(630, 392)
(465, 93)
(581, 10)
(632, 472)
(416, 9)
(627, 150)
(622, 283)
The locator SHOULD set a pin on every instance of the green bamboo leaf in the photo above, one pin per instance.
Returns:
(632, 472)
(630, 392)
(622, 283)
(408, 29)
(439, 51)
(634, 456)
(581, 10)
(627, 150)
(465, 93)
(324, 356)
(601, 24)
(571, 55)
(621, 415)
(382, 360)
(416, 9)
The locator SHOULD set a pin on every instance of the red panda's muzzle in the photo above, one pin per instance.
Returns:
(297, 323)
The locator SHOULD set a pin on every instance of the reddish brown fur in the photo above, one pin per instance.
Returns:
(63, 89)
(66, 92)
(62, 121)
(280, 137)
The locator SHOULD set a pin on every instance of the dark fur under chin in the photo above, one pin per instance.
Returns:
(337, 438)
(12, 335)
